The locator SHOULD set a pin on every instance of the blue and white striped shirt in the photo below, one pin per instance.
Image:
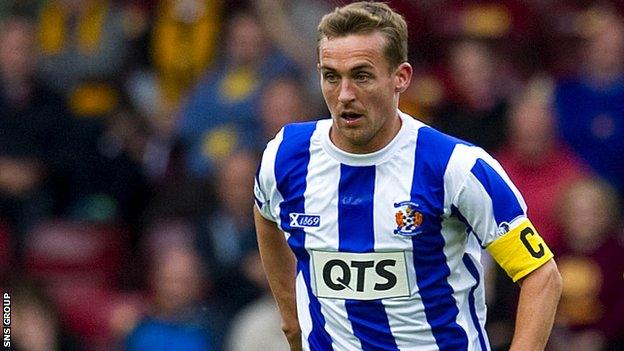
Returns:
(388, 244)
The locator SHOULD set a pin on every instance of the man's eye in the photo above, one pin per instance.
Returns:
(330, 77)
(362, 77)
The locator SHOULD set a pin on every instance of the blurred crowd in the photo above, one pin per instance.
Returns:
(130, 133)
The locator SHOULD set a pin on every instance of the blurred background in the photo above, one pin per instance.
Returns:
(130, 132)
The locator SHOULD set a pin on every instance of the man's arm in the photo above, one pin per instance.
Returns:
(280, 266)
(539, 296)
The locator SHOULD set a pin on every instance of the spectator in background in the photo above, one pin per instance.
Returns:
(83, 46)
(35, 134)
(542, 169)
(184, 43)
(536, 161)
(228, 234)
(298, 18)
(283, 101)
(478, 112)
(179, 320)
(111, 185)
(590, 106)
(35, 325)
(589, 316)
(257, 326)
(159, 157)
(222, 113)
(83, 53)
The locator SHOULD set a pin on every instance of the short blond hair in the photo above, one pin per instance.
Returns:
(367, 17)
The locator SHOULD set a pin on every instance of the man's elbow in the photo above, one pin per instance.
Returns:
(554, 279)
(548, 277)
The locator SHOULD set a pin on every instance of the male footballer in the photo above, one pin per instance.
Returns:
(371, 224)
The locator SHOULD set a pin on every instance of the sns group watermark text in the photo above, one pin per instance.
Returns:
(6, 320)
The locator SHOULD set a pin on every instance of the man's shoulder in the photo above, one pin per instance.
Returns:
(298, 133)
(436, 147)
(293, 139)
(431, 135)
(299, 130)
(444, 154)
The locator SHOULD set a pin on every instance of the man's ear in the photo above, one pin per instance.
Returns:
(403, 77)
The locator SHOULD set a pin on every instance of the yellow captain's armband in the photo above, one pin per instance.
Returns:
(520, 251)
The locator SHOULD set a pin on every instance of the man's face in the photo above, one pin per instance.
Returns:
(361, 91)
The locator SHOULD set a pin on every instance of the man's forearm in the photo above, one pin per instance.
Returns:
(539, 296)
(279, 264)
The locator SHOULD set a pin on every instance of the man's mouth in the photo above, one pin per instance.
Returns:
(351, 116)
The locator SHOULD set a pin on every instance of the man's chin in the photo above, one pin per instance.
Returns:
(352, 138)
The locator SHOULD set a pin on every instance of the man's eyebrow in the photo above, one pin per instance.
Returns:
(362, 67)
(325, 68)
(356, 68)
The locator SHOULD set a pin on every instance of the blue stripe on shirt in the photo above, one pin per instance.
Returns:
(471, 300)
(433, 151)
(504, 201)
(455, 212)
(356, 191)
(291, 168)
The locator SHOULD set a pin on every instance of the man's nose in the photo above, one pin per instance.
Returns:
(347, 92)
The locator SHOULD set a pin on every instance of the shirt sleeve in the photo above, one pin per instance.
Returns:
(520, 251)
(266, 195)
(493, 208)
(262, 201)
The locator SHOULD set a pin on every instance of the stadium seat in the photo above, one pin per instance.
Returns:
(80, 263)
(95, 313)
(60, 251)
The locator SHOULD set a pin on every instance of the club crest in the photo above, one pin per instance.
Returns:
(408, 218)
